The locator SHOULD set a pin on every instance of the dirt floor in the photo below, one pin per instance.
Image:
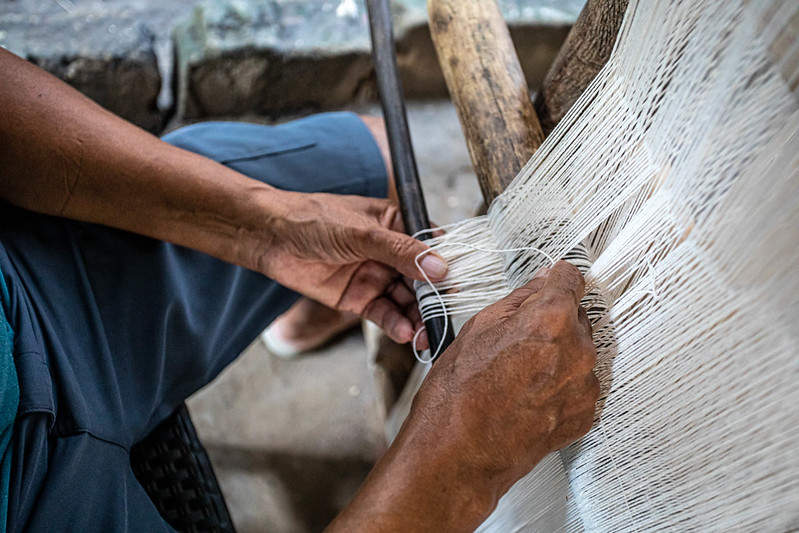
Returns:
(292, 440)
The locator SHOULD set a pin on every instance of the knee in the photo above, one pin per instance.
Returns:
(377, 127)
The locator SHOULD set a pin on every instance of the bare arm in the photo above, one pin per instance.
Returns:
(515, 385)
(62, 154)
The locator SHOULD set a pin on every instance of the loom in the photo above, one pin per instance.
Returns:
(674, 182)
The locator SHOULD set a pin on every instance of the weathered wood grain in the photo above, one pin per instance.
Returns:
(585, 52)
(488, 88)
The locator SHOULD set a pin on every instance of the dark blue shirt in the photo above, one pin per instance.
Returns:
(9, 400)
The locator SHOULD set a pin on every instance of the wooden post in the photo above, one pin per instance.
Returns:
(486, 83)
(585, 52)
(488, 87)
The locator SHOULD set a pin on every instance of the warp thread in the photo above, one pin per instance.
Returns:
(677, 172)
(440, 310)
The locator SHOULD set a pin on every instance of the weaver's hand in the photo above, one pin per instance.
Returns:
(516, 384)
(518, 381)
(348, 252)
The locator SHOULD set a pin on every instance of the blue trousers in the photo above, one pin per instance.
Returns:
(113, 330)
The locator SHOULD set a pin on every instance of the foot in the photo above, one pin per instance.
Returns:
(306, 326)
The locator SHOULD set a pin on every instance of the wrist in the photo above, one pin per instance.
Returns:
(264, 213)
(457, 496)
(215, 210)
(280, 226)
(446, 452)
(420, 484)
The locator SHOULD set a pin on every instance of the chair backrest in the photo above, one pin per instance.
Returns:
(174, 469)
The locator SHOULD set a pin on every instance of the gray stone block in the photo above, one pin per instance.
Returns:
(106, 54)
(275, 57)
(269, 57)
(246, 56)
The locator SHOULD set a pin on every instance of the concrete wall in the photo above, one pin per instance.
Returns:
(148, 61)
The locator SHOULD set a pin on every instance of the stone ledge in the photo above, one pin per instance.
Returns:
(274, 57)
(109, 57)
(232, 57)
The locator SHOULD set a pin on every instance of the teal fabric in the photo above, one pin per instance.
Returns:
(9, 400)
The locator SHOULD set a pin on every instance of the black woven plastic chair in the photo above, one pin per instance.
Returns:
(174, 469)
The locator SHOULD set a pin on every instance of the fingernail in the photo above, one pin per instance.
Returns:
(543, 272)
(422, 343)
(405, 333)
(434, 266)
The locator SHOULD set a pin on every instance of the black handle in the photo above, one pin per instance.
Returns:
(406, 173)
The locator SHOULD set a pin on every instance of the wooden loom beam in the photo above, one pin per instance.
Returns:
(585, 52)
(487, 85)
(489, 90)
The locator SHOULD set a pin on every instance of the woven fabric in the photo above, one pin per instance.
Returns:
(678, 173)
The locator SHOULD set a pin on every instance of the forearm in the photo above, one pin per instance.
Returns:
(61, 154)
(420, 485)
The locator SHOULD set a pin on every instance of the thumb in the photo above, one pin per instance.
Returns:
(565, 279)
(515, 299)
(399, 251)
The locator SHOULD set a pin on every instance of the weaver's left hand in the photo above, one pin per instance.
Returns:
(63, 155)
(349, 253)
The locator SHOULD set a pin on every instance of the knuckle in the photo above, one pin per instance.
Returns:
(393, 212)
(372, 234)
(570, 276)
(369, 237)
(588, 356)
(403, 247)
(470, 323)
(594, 388)
(559, 304)
(390, 215)
(372, 312)
(557, 317)
(582, 317)
(489, 315)
(552, 420)
(573, 273)
(380, 204)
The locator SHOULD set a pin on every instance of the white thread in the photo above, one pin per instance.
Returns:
(678, 171)
(434, 355)
(437, 228)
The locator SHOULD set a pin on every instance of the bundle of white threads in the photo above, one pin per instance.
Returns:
(434, 299)
(678, 173)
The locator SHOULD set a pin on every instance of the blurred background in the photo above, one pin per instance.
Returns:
(290, 440)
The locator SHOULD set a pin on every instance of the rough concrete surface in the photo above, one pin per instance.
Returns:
(147, 60)
(292, 440)
(274, 57)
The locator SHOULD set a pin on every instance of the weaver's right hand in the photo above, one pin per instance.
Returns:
(516, 384)
(518, 381)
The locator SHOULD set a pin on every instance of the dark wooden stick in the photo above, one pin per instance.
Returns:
(488, 87)
(406, 173)
(585, 52)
